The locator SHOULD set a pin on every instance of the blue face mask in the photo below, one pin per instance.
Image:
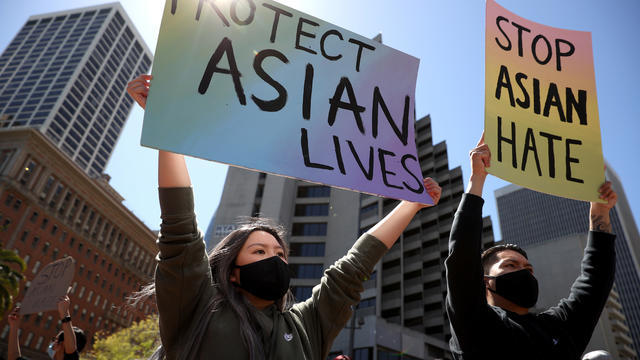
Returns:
(50, 351)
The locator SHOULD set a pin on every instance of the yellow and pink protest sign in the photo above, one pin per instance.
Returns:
(258, 85)
(541, 110)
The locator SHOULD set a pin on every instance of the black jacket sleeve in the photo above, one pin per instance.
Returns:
(183, 276)
(466, 302)
(579, 313)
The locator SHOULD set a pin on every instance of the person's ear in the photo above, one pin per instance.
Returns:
(235, 276)
(486, 281)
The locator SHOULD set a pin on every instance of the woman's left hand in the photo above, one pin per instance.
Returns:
(433, 189)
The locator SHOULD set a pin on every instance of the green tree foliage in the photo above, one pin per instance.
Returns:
(11, 268)
(138, 341)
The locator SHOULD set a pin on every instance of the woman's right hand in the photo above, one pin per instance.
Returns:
(138, 89)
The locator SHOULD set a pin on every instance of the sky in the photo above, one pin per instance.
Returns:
(448, 38)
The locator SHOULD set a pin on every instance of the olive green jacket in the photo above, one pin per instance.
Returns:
(184, 290)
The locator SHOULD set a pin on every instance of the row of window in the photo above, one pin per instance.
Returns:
(53, 40)
(306, 271)
(88, 220)
(309, 229)
(83, 150)
(307, 249)
(90, 295)
(71, 41)
(81, 271)
(312, 210)
(313, 191)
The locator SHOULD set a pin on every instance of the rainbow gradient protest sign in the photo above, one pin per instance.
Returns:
(259, 85)
(541, 109)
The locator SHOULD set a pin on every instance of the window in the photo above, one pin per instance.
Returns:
(29, 168)
(366, 303)
(302, 293)
(306, 271)
(312, 210)
(47, 324)
(9, 200)
(309, 229)
(29, 339)
(38, 318)
(36, 267)
(313, 191)
(36, 239)
(16, 205)
(367, 354)
(307, 249)
(369, 210)
(5, 332)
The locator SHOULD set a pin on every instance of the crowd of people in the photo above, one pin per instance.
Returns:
(234, 302)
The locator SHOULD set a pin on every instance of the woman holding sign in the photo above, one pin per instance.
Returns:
(235, 303)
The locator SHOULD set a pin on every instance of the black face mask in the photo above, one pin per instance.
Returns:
(520, 287)
(267, 279)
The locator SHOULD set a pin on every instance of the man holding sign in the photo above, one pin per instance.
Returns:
(489, 296)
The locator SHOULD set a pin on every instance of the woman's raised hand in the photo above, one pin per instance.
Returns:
(138, 89)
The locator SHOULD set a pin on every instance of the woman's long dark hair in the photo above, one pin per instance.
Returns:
(222, 262)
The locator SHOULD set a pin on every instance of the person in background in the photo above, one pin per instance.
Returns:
(490, 294)
(65, 346)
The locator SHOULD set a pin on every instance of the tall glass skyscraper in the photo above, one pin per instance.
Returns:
(65, 73)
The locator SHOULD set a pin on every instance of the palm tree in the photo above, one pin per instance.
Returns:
(9, 278)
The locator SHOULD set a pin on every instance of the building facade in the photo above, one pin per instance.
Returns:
(555, 228)
(49, 209)
(402, 308)
(65, 74)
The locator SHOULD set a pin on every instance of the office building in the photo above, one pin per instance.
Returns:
(62, 108)
(49, 209)
(402, 308)
(65, 74)
(556, 228)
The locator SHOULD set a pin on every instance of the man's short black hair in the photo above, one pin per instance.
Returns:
(490, 256)
(81, 338)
